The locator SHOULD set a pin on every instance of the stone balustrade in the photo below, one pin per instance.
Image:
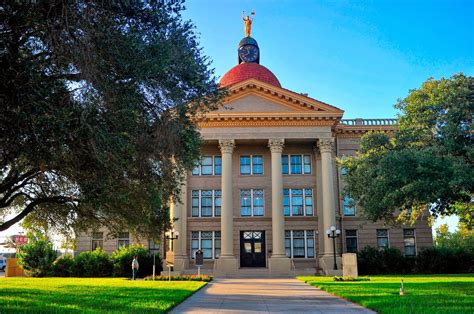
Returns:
(368, 122)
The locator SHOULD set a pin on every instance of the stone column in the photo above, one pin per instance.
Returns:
(278, 262)
(329, 205)
(178, 213)
(227, 263)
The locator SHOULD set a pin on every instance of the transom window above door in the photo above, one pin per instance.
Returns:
(208, 166)
(296, 164)
(251, 165)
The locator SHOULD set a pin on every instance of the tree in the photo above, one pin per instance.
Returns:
(99, 103)
(37, 256)
(461, 239)
(427, 166)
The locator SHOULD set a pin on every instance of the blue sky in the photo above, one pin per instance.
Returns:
(360, 56)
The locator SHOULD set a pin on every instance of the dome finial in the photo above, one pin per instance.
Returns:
(248, 22)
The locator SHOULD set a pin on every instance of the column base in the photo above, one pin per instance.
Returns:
(326, 263)
(181, 263)
(280, 265)
(225, 266)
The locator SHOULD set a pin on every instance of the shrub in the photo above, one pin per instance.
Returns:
(63, 266)
(205, 278)
(444, 260)
(372, 261)
(349, 278)
(93, 264)
(122, 261)
(37, 256)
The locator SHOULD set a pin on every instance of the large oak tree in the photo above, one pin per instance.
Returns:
(98, 101)
(427, 166)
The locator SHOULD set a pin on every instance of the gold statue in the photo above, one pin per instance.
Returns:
(247, 22)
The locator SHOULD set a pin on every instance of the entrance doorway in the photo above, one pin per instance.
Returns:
(252, 248)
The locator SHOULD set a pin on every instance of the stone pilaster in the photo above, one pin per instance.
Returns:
(278, 262)
(178, 215)
(326, 147)
(227, 263)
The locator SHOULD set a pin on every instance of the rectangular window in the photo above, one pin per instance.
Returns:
(252, 202)
(382, 238)
(209, 242)
(208, 165)
(299, 243)
(298, 202)
(206, 203)
(251, 165)
(296, 164)
(349, 208)
(97, 240)
(123, 239)
(409, 242)
(351, 241)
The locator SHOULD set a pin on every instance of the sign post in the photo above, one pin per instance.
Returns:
(199, 260)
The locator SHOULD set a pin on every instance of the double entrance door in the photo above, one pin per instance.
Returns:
(252, 249)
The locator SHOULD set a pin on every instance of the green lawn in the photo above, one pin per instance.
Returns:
(423, 294)
(91, 295)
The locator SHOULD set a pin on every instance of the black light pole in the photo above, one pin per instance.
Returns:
(333, 233)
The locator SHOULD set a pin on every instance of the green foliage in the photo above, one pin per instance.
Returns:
(92, 295)
(461, 239)
(349, 278)
(96, 263)
(63, 266)
(122, 261)
(372, 261)
(37, 256)
(205, 278)
(99, 112)
(427, 165)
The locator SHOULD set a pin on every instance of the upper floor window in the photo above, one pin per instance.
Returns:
(349, 208)
(123, 239)
(97, 240)
(351, 241)
(409, 242)
(208, 166)
(206, 203)
(251, 165)
(209, 242)
(296, 164)
(298, 202)
(252, 202)
(299, 243)
(382, 238)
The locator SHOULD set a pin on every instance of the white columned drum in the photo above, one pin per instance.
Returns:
(278, 220)
(227, 249)
(329, 210)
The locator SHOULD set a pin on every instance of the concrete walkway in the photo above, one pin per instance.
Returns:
(265, 296)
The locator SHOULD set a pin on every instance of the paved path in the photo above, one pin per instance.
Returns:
(264, 296)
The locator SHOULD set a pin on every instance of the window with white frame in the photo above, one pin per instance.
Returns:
(296, 164)
(208, 166)
(97, 240)
(349, 208)
(351, 241)
(252, 202)
(409, 242)
(298, 202)
(299, 243)
(123, 239)
(382, 238)
(206, 203)
(209, 242)
(251, 165)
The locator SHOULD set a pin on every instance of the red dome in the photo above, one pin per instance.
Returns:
(246, 71)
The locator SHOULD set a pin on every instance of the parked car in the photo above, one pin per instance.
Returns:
(3, 263)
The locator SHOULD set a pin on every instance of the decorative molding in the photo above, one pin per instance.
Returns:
(326, 145)
(254, 122)
(276, 145)
(226, 146)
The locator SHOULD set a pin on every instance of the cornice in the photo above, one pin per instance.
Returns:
(256, 121)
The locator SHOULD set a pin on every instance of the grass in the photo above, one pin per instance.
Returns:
(91, 295)
(423, 294)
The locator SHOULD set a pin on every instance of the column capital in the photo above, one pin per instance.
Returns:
(326, 145)
(226, 146)
(276, 145)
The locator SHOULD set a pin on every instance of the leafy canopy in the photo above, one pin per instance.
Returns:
(99, 101)
(427, 165)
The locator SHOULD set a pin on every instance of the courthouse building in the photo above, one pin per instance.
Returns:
(267, 187)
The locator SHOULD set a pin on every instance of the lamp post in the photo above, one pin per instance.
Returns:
(333, 233)
(172, 235)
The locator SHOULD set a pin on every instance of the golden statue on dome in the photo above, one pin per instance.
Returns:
(247, 22)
